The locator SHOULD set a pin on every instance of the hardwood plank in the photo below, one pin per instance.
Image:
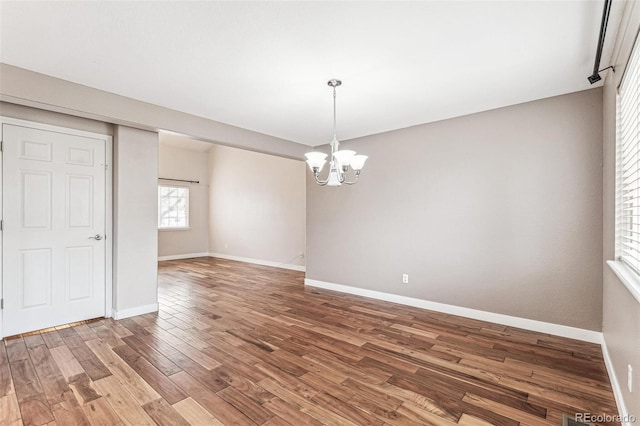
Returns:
(56, 389)
(318, 412)
(9, 409)
(208, 378)
(122, 402)
(66, 362)
(4, 359)
(43, 362)
(108, 336)
(140, 390)
(467, 420)
(275, 421)
(69, 412)
(222, 410)
(16, 350)
(512, 413)
(83, 388)
(78, 347)
(245, 405)
(361, 390)
(243, 384)
(99, 412)
(421, 416)
(35, 411)
(52, 339)
(195, 414)
(158, 381)
(164, 414)
(320, 384)
(224, 354)
(344, 409)
(198, 356)
(289, 382)
(6, 384)
(94, 368)
(161, 362)
(58, 394)
(415, 330)
(25, 379)
(85, 332)
(33, 341)
(189, 336)
(290, 413)
(549, 393)
(117, 328)
(443, 407)
(155, 342)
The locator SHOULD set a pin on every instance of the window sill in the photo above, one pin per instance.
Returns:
(629, 278)
(173, 229)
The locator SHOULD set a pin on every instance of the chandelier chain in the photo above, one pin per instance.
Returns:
(334, 113)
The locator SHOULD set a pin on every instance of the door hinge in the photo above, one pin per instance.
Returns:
(1, 146)
(1, 225)
(1, 303)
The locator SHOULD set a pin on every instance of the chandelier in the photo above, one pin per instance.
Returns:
(340, 160)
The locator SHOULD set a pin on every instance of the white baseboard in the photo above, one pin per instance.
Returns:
(132, 312)
(182, 256)
(527, 324)
(615, 385)
(260, 262)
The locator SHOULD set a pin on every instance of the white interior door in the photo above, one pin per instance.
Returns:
(54, 228)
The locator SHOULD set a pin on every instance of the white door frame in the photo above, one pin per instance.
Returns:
(108, 202)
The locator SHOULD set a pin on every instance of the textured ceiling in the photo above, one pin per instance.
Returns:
(264, 65)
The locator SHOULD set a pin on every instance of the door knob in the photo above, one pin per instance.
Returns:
(97, 237)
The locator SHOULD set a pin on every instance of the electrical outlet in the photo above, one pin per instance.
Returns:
(630, 377)
(405, 278)
(301, 255)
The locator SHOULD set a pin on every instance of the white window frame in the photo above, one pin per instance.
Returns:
(188, 196)
(627, 264)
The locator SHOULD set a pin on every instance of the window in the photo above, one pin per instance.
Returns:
(628, 164)
(173, 207)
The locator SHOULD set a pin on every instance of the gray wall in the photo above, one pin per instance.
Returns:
(186, 164)
(621, 311)
(257, 206)
(135, 220)
(499, 211)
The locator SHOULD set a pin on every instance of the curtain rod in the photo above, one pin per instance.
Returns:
(595, 77)
(180, 180)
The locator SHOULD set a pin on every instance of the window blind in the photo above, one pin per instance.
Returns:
(628, 164)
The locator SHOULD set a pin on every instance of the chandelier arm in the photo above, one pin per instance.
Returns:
(354, 181)
(320, 182)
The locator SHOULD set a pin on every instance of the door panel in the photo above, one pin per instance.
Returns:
(35, 197)
(53, 207)
(32, 150)
(79, 272)
(35, 278)
(80, 201)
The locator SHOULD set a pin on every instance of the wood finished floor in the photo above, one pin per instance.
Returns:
(241, 344)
